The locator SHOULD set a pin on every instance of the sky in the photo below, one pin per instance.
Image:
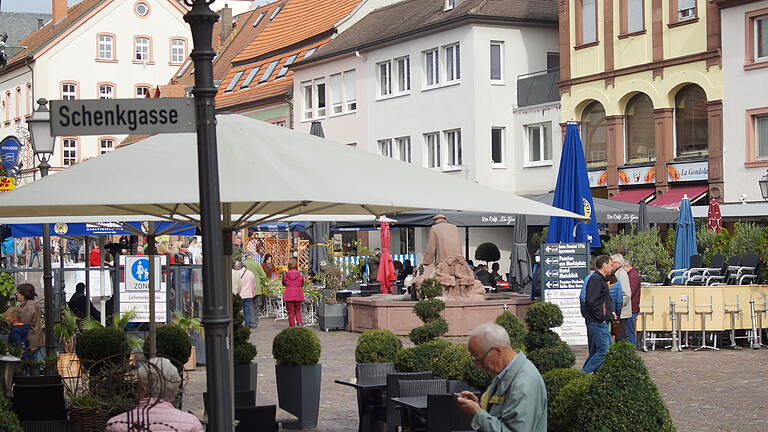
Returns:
(44, 6)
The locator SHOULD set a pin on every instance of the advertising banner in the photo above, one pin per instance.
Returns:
(691, 171)
(637, 175)
(10, 147)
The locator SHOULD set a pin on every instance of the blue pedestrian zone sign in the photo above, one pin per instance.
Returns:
(140, 270)
(134, 292)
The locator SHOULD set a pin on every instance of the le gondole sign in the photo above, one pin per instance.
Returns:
(9, 157)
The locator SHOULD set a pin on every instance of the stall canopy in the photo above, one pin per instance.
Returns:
(634, 195)
(100, 229)
(673, 197)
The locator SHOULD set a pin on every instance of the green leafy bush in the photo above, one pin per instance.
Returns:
(429, 331)
(745, 236)
(295, 346)
(555, 380)
(453, 362)
(645, 250)
(244, 354)
(552, 357)
(429, 310)
(487, 252)
(420, 358)
(623, 397)
(515, 328)
(102, 343)
(172, 342)
(476, 377)
(564, 411)
(669, 242)
(431, 288)
(377, 346)
(9, 423)
(542, 316)
(243, 351)
(536, 340)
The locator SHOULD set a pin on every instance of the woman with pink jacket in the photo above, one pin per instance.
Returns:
(293, 281)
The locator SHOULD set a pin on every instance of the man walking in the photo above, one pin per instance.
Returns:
(625, 314)
(597, 310)
(516, 400)
(634, 284)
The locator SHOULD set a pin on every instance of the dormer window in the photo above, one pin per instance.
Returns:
(277, 11)
(450, 4)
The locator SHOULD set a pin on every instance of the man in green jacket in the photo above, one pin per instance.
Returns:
(516, 400)
(258, 272)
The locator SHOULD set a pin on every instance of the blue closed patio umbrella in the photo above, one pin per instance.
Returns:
(685, 236)
(572, 193)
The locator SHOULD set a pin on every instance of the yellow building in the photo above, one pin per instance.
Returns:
(643, 78)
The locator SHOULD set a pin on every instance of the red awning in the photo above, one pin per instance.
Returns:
(634, 195)
(672, 198)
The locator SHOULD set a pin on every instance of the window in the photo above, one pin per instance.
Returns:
(106, 145)
(106, 91)
(141, 49)
(539, 142)
(757, 37)
(29, 99)
(453, 141)
(686, 9)
(404, 149)
(251, 75)
(632, 16)
(497, 146)
(403, 71)
(761, 136)
(497, 53)
(450, 4)
(68, 91)
(640, 129)
(320, 91)
(452, 63)
(351, 88)
(142, 9)
(691, 122)
(385, 78)
(553, 61)
(385, 147)
(432, 67)
(277, 11)
(234, 81)
(288, 62)
(18, 103)
(69, 151)
(268, 72)
(306, 89)
(310, 52)
(586, 22)
(432, 144)
(259, 18)
(178, 50)
(594, 135)
(142, 92)
(337, 94)
(106, 45)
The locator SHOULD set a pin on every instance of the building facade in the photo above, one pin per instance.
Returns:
(93, 50)
(644, 80)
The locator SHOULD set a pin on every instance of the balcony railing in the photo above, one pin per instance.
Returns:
(538, 87)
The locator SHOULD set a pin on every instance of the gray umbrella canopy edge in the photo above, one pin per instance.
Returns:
(520, 257)
(642, 218)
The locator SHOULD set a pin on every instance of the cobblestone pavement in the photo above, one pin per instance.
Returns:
(705, 391)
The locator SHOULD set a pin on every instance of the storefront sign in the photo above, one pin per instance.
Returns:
(692, 171)
(597, 178)
(563, 269)
(637, 175)
(134, 292)
(9, 157)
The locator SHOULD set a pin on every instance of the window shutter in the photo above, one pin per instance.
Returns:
(336, 88)
(685, 4)
(349, 77)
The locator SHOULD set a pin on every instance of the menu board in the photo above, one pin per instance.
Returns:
(563, 269)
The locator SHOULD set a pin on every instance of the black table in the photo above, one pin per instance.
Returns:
(365, 386)
(416, 403)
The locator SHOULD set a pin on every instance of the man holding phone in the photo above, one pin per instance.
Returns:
(516, 399)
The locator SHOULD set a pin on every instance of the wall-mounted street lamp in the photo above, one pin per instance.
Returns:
(763, 182)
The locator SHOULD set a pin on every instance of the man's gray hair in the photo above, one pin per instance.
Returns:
(490, 335)
(237, 265)
(160, 378)
(619, 258)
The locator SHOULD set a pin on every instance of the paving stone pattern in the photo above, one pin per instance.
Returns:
(705, 391)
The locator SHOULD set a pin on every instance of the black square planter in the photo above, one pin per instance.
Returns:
(298, 391)
(245, 377)
(332, 316)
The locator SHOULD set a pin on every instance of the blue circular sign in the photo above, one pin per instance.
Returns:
(140, 270)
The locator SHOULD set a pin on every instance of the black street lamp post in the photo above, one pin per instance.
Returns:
(216, 318)
(42, 145)
(763, 182)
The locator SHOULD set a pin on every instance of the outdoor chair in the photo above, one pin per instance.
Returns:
(393, 390)
(729, 267)
(416, 421)
(682, 275)
(714, 269)
(458, 386)
(51, 426)
(371, 402)
(443, 415)
(31, 393)
(256, 419)
(749, 270)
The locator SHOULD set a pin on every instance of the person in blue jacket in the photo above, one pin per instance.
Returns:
(19, 330)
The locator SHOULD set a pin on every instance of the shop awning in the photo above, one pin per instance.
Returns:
(634, 195)
(672, 198)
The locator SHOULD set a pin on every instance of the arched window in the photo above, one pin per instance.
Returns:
(640, 129)
(593, 135)
(691, 127)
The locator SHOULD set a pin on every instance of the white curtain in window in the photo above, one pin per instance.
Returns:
(634, 15)
(495, 61)
(761, 37)
(761, 135)
(589, 24)
(336, 89)
(349, 81)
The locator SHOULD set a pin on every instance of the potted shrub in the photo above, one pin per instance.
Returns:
(173, 343)
(194, 328)
(103, 345)
(330, 312)
(545, 348)
(246, 370)
(297, 351)
(487, 252)
(377, 346)
(67, 363)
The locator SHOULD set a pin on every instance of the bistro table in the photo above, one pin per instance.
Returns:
(366, 386)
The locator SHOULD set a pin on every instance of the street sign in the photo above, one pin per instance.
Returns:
(122, 116)
(564, 266)
(134, 292)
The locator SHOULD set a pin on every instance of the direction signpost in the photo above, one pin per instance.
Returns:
(564, 266)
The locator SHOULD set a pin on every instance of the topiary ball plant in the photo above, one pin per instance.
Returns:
(537, 340)
(555, 380)
(487, 252)
(552, 357)
(623, 397)
(542, 316)
(431, 288)
(429, 310)
(420, 358)
(296, 346)
(106, 344)
(564, 411)
(429, 331)
(377, 346)
(243, 350)
(173, 342)
(515, 328)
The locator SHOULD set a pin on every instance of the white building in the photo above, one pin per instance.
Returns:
(444, 88)
(93, 50)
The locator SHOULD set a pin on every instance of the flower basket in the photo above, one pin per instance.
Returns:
(91, 419)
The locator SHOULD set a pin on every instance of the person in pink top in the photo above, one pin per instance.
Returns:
(293, 281)
(247, 290)
(159, 382)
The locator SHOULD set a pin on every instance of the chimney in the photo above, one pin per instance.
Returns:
(58, 11)
(40, 23)
(226, 23)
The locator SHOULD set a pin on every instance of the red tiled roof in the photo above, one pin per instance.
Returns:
(299, 20)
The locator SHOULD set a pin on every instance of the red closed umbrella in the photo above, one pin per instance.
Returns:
(714, 219)
(386, 274)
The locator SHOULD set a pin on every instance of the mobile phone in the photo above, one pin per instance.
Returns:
(457, 395)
